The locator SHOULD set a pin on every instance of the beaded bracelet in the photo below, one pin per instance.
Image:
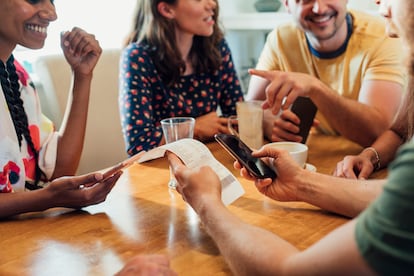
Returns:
(378, 161)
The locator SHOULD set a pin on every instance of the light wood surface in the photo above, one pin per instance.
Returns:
(141, 215)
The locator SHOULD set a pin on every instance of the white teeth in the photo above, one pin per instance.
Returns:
(321, 19)
(37, 28)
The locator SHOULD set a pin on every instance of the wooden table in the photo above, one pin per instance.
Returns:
(142, 215)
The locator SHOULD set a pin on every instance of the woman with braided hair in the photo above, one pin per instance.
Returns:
(32, 152)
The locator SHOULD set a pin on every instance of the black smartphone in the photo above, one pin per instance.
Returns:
(242, 153)
(306, 110)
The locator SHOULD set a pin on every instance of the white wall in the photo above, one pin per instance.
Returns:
(236, 6)
(108, 20)
(363, 5)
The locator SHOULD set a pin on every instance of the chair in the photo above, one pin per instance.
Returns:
(104, 145)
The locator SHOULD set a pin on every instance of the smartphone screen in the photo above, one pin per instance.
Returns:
(306, 110)
(242, 153)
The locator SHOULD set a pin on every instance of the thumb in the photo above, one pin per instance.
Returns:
(174, 160)
(267, 152)
(80, 180)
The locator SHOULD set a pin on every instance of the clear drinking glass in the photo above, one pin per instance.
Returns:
(174, 129)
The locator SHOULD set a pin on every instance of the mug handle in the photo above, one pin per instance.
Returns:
(232, 120)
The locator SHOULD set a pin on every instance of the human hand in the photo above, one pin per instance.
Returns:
(208, 125)
(81, 50)
(354, 167)
(285, 127)
(284, 186)
(284, 88)
(80, 191)
(196, 186)
(147, 265)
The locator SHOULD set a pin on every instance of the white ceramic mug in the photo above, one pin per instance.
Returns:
(298, 151)
(249, 120)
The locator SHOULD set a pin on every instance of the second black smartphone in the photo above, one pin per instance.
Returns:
(306, 110)
(242, 153)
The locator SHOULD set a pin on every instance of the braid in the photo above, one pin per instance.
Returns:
(10, 84)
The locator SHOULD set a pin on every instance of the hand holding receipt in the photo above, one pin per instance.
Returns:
(194, 154)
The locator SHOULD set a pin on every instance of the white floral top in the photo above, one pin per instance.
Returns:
(17, 165)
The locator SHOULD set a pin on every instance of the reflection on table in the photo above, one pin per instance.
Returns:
(142, 216)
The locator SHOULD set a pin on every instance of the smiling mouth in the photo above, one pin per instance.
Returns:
(36, 28)
(208, 19)
(319, 19)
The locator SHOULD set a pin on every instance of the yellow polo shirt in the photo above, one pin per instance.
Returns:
(370, 55)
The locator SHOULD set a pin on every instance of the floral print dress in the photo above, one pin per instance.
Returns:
(145, 100)
(18, 165)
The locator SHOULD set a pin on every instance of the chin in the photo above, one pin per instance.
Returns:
(209, 33)
(34, 46)
(324, 35)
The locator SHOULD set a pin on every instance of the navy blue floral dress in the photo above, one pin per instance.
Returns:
(144, 100)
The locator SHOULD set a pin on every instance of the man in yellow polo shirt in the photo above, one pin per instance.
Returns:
(342, 60)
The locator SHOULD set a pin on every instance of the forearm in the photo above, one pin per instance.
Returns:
(386, 146)
(347, 197)
(349, 117)
(249, 250)
(17, 203)
(72, 131)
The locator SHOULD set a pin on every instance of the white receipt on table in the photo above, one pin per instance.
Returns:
(195, 154)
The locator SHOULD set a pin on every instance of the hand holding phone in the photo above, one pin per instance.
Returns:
(306, 110)
(243, 154)
(121, 165)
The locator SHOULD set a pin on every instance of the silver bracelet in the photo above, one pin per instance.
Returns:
(377, 161)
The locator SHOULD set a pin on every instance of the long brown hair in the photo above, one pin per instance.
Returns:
(158, 32)
(406, 115)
